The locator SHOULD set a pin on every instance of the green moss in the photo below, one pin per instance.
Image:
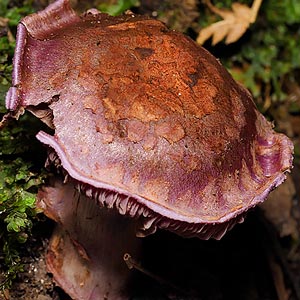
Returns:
(118, 8)
(18, 186)
(20, 176)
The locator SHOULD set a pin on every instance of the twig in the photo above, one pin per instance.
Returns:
(132, 264)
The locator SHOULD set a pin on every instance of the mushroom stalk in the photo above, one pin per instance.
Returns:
(87, 248)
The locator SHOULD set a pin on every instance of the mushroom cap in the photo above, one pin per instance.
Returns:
(148, 117)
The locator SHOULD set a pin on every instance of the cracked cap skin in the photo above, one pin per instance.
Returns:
(144, 113)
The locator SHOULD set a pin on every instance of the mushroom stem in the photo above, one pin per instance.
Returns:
(86, 250)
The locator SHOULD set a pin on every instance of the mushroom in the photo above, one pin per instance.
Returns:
(86, 250)
(152, 132)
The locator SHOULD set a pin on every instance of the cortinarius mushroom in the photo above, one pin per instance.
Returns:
(146, 123)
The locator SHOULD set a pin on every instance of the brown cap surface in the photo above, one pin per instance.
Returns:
(143, 112)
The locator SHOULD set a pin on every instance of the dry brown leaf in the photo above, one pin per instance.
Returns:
(234, 24)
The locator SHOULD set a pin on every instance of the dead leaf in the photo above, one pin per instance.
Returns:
(234, 24)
